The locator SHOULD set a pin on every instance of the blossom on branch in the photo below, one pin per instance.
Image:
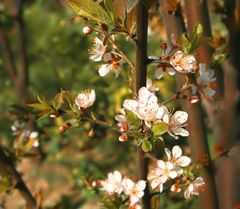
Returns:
(98, 51)
(205, 79)
(112, 64)
(175, 122)
(176, 157)
(183, 63)
(135, 191)
(85, 99)
(146, 107)
(113, 184)
(159, 175)
(194, 188)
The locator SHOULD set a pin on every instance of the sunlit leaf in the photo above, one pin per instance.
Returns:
(159, 129)
(146, 146)
(90, 9)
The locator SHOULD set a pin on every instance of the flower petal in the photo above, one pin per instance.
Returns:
(184, 161)
(176, 152)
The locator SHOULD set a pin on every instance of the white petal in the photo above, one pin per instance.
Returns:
(107, 57)
(168, 153)
(176, 151)
(208, 91)
(180, 117)
(117, 175)
(173, 174)
(183, 161)
(33, 135)
(171, 71)
(161, 164)
(180, 131)
(140, 186)
(131, 105)
(159, 73)
(104, 69)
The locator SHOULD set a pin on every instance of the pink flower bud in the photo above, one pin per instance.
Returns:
(123, 138)
(194, 99)
(87, 30)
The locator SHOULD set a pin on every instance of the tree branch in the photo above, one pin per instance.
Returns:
(141, 77)
(20, 185)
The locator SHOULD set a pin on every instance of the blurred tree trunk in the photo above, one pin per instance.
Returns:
(174, 24)
(18, 72)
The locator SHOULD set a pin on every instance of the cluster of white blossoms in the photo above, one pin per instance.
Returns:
(115, 184)
(172, 169)
(148, 110)
(99, 53)
(20, 130)
(85, 99)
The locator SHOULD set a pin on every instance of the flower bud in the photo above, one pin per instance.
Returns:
(87, 30)
(123, 138)
(91, 133)
(194, 99)
(163, 46)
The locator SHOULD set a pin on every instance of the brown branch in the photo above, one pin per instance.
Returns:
(141, 77)
(23, 63)
(11, 70)
(20, 184)
(197, 138)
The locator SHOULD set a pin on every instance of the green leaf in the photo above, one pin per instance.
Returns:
(42, 107)
(146, 146)
(132, 119)
(159, 129)
(90, 9)
(131, 5)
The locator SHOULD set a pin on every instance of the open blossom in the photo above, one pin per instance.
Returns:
(204, 80)
(134, 190)
(159, 175)
(183, 63)
(112, 64)
(194, 188)
(146, 107)
(176, 157)
(175, 122)
(113, 184)
(85, 99)
(98, 51)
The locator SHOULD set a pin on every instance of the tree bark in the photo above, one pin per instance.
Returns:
(174, 24)
(141, 77)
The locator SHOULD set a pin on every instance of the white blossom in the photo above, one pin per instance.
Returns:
(111, 65)
(176, 157)
(204, 80)
(146, 107)
(113, 184)
(194, 188)
(175, 122)
(159, 175)
(85, 99)
(135, 191)
(183, 63)
(98, 51)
